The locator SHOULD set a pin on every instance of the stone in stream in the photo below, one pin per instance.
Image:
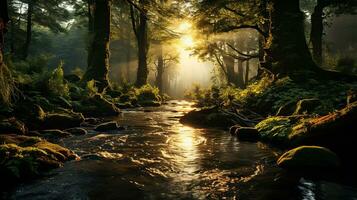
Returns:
(54, 134)
(24, 157)
(77, 131)
(108, 126)
(247, 134)
(307, 158)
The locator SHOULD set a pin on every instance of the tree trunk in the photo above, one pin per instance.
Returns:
(28, 30)
(160, 70)
(128, 59)
(90, 15)
(286, 46)
(317, 31)
(240, 78)
(99, 63)
(247, 68)
(142, 38)
(229, 64)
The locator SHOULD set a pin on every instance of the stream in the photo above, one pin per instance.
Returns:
(156, 157)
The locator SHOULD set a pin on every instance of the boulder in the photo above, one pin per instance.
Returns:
(307, 106)
(247, 134)
(108, 126)
(12, 125)
(62, 120)
(97, 106)
(53, 134)
(77, 131)
(23, 157)
(208, 117)
(306, 158)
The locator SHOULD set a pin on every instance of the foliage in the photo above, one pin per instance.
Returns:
(6, 85)
(56, 84)
(91, 89)
(148, 93)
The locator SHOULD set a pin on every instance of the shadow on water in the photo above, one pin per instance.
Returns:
(156, 157)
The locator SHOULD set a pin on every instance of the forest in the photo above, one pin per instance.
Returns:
(178, 99)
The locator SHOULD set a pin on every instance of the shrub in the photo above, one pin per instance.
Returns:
(56, 83)
(148, 93)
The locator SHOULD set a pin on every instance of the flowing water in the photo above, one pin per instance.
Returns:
(156, 157)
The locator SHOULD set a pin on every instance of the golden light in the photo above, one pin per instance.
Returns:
(187, 41)
(184, 26)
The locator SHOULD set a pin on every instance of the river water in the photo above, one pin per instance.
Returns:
(156, 157)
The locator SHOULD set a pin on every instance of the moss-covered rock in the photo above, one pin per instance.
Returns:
(77, 131)
(54, 134)
(12, 125)
(149, 103)
(275, 130)
(97, 106)
(287, 109)
(23, 157)
(108, 126)
(208, 117)
(232, 129)
(307, 158)
(62, 120)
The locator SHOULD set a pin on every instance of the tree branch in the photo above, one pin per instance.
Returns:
(244, 26)
(241, 53)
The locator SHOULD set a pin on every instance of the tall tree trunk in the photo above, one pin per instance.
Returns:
(286, 48)
(99, 64)
(128, 58)
(28, 29)
(143, 45)
(160, 70)
(90, 16)
(317, 30)
(240, 78)
(247, 69)
(229, 64)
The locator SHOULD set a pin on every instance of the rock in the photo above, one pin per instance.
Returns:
(77, 131)
(62, 120)
(12, 125)
(148, 103)
(247, 134)
(23, 157)
(306, 158)
(209, 117)
(54, 134)
(91, 121)
(306, 106)
(233, 129)
(72, 78)
(97, 106)
(108, 126)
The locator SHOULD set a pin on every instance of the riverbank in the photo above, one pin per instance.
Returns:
(287, 114)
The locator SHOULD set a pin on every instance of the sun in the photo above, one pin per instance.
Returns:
(187, 41)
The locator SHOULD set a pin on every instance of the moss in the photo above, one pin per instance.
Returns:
(309, 157)
(23, 157)
(275, 129)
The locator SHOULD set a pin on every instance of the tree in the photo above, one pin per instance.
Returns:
(98, 65)
(140, 28)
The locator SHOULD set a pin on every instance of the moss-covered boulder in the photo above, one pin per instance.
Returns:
(108, 126)
(77, 131)
(23, 157)
(62, 120)
(12, 125)
(306, 158)
(97, 106)
(247, 134)
(149, 103)
(208, 117)
(307, 106)
(54, 134)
